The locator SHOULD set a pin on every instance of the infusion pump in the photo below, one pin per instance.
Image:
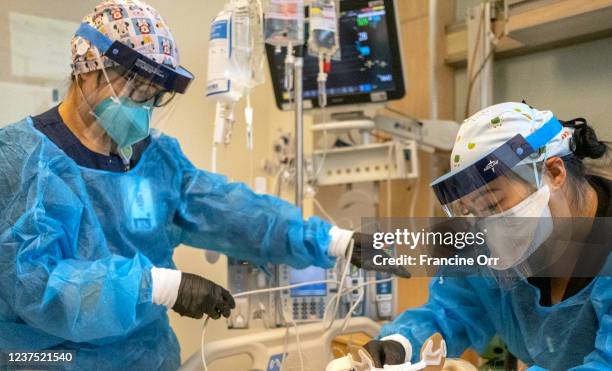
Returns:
(306, 303)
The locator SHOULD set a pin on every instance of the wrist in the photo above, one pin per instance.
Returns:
(339, 241)
(166, 283)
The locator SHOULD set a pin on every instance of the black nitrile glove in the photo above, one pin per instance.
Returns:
(198, 296)
(386, 352)
(364, 252)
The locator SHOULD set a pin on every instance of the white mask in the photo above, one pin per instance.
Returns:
(513, 235)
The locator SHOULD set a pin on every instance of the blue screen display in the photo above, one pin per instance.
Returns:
(306, 275)
(369, 55)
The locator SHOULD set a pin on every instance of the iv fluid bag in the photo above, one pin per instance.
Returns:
(249, 44)
(284, 23)
(323, 28)
(236, 52)
(221, 84)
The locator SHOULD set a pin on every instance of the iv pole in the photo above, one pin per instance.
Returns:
(299, 126)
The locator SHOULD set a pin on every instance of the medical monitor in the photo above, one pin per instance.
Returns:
(370, 69)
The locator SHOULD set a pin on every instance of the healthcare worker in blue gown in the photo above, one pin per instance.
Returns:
(93, 200)
(522, 173)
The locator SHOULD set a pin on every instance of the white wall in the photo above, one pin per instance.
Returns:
(35, 89)
(574, 81)
(461, 7)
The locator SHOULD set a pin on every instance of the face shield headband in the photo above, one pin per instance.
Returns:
(176, 80)
(499, 162)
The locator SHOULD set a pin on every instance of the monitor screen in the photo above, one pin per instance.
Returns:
(306, 275)
(370, 68)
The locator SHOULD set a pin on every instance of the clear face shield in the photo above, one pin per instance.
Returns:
(502, 195)
(505, 196)
(131, 97)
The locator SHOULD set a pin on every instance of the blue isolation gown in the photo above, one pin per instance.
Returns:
(77, 246)
(574, 334)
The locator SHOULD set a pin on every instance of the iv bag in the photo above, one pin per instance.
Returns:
(235, 65)
(224, 79)
(323, 37)
(249, 52)
(284, 23)
(236, 52)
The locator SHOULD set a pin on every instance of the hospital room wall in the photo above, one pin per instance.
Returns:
(573, 81)
(71, 11)
(26, 83)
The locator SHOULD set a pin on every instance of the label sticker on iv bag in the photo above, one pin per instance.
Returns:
(219, 53)
(285, 10)
(218, 30)
(323, 18)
